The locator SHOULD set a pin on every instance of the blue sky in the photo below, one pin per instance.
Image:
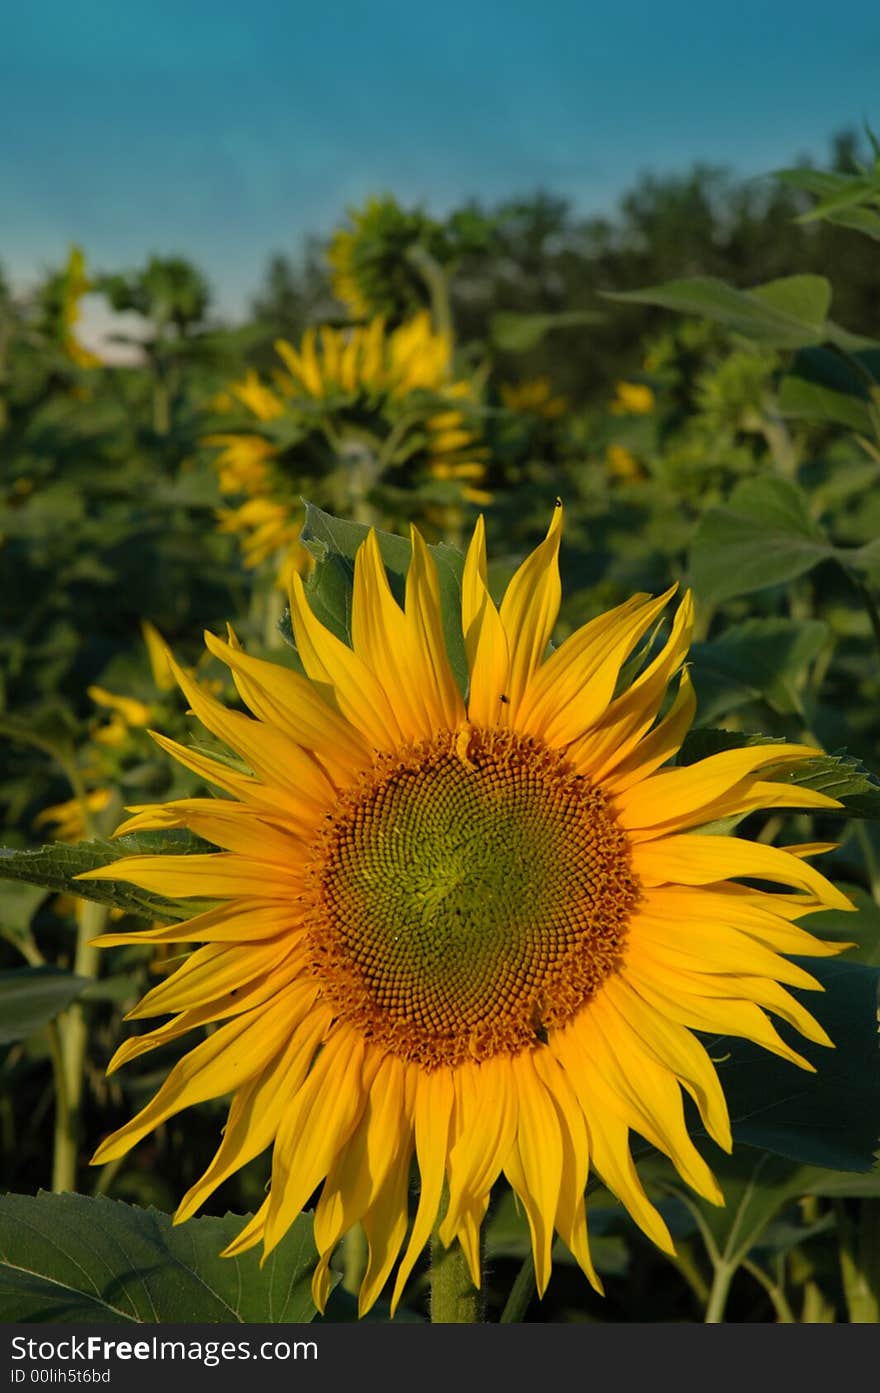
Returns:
(226, 131)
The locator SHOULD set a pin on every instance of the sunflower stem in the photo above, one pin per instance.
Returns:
(721, 1280)
(437, 285)
(454, 1298)
(69, 1056)
(784, 1313)
(273, 609)
(521, 1293)
(354, 1259)
(858, 1240)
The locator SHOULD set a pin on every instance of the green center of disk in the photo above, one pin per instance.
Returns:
(472, 894)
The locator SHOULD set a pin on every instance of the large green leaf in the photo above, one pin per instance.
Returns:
(786, 313)
(810, 401)
(17, 908)
(70, 1258)
(334, 541)
(757, 659)
(830, 1118)
(764, 536)
(30, 997)
(826, 385)
(56, 866)
(840, 775)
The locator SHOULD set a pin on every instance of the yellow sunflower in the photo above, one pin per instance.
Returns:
(367, 391)
(633, 399)
(534, 397)
(474, 932)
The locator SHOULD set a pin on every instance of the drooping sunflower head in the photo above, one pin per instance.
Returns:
(467, 928)
(374, 271)
(350, 411)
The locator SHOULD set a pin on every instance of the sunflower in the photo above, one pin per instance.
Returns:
(477, 932)
(633, 399)
(534, 397)
(61, 301)
(363, 401)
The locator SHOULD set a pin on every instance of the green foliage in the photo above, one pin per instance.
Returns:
(828, 1118)
(56, 868)
(70, 1259)
(764, 536)
(788, 313)
(755, 660)
(169, 292)
(849, 200)
(30, 997)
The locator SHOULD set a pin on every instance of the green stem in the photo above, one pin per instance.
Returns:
(435, 279)
(361, 468)
(521, 1293)
(161, 397)
(721, 1280)
(454, 1298)
(396, 436)
(859, 1246)
(780, 444)
(106, 1175)
(273, 610)
(354, 1259)
(784, 1314)
(70, 1063)
(686, 1263)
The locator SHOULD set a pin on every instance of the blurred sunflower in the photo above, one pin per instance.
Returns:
(534, 397)
(350, 410)
(377, 262)
(60, 301)
(67, 821)
(622, 463)
(633, 399)
(478, 930)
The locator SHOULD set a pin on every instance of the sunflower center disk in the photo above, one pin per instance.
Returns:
(471, 893)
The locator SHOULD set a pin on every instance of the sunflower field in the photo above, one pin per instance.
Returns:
(440, 722)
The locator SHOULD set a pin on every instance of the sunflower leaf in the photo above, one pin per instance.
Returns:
(707, 740)
(56, 866)
(841, 776)
(334, 541)
(72, 1258)
(759, 659)
(30, 997)
(764, 536)
(787, 313)
(830, 1118)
